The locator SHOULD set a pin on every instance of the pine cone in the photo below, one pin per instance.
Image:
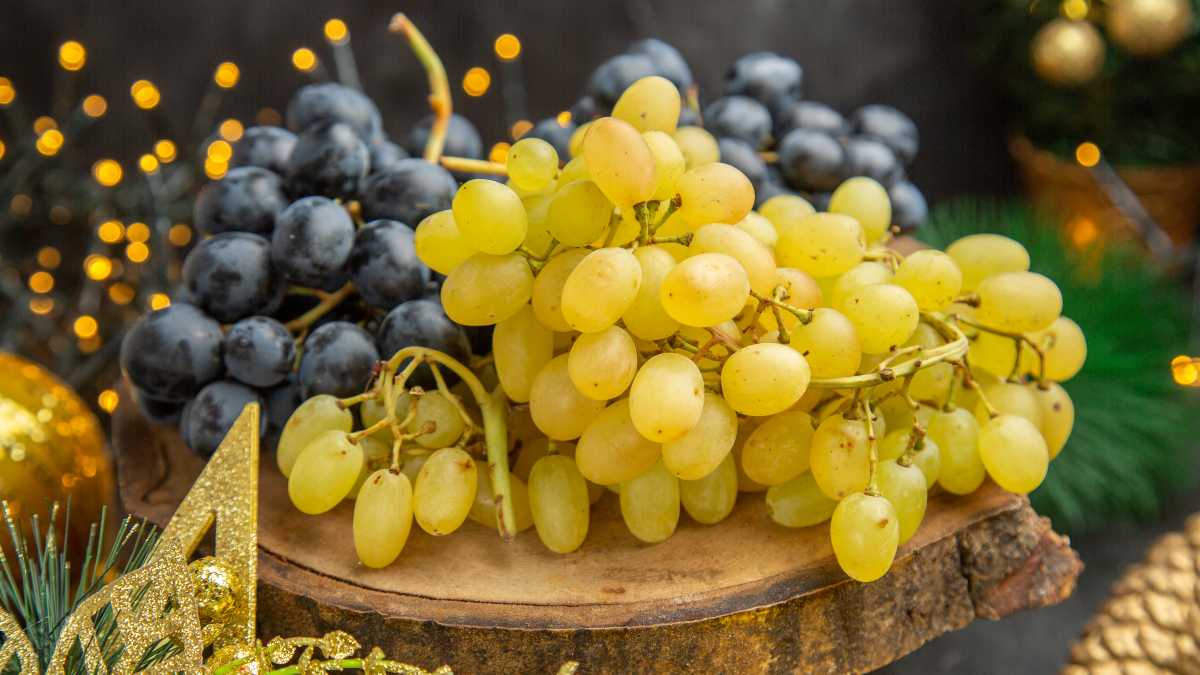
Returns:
(1151, 624)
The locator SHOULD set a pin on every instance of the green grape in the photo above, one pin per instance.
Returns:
(666, 397)
(313, 417)
(698, 452)
(521, 347)
(650, 504)
(714, 193)
(600, 288)
(548, 288)
(884, 316)
(444, 491)
(705, 290)
(558, 502)
(439, 244)
(930, 383)
(785, 210)
(483, 509)
(1058, 416)
(996, 354)
(932, 277)
(927, 457)
(646, 319)
(383, 515)
(756, 225)
(526, 195)
(898, 414)
(411, 465)
(575, 143)
(557, 407)
(325, 472)
(619, 161)
(866, 273)
(866, 201)
(956, 434)
(376, 455)
(746, 427)
(697, 145)
(490, 216)
(799, 502)
(603, 364)
(865, 533)
(800, 290)
(1020, 302)
(840, 456)
(532, 164)
(650, 104)
(754, 257)
(574, 170)
(906, 489)
(822, 244)
(710, 499)
(669, 163)
(779, 449)
(1010, 398)
(829, 344)
(1064, 347)
(980, 256)
(1014, 453)
(372, 411)
(579, 213)
(539, 448)
(436, 412)
(487, 289)
(537, 209)
(764, 379)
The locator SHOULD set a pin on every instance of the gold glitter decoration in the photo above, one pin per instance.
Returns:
(218, 588)
(17, 644)
(1151, 623)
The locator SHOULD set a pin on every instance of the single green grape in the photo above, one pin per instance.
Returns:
(710, 499)
(956, 433)
(1058, 416)
(866, 273)
(645, 318)
(865, 200)
(619, 161)
(764, 379)
(487, 289)
(822, 244)
(490, 216)
(439, 243)
(779, 449)
(932, 277)
(650, 504)
(884, 316)
(980, 256)
(702, 449)
(714, 193)
(558, 408)
(558, 503)
(705, 290)
(600, 289)
(1064, 347)
(483, 509)
(697, 145)
(532, 164)
(1014, 453)
(756, 225)
(840, 457)
(521, 347)
(865, 532)
(439, 420)
(650, 104)
(311, 418)
(754, 257)
(325, 472)
(785, 210)
(611, 450)
(1020, 302)
(1010, 398)
(382, 517)
(906, 489)
(829, 344)
(666, 397)
(799, 502)
(445, 491)
(578, 213)
(602, 364)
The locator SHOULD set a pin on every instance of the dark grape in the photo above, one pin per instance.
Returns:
(247, 200)
(809, 115)
(583, 110)
(384, 264)
(213, 412)
(422, 323)
(614, 76)
(479, 338)
(869, 157)
(895, 129)
(771, 79)
(264, 147)
(171, 352)
(667, 60)
(384, 154)
(259, 351)
(739, 117)
(768, 189)
(688, 117)
(819, 200)
(312, 241)
(331, 102)
(812, 159)
(230, 276)
(329, 159)
(744, 158)
(462, 138)
(909, 210)
(338, 359)
(157, 410)
(279, 404)
(558, 135)
(408, 191)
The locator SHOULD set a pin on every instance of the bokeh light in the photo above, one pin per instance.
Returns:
(8, 93)
(499, 152)
(97, 267)
(159, 301)
(148, 163)
(41, 305)
(145, 95)
(231, 130)
(41, 282)
(180, 234)
(108, 400)
(43, 124)
(121, 293)
(1183, 369)
(72, 55)
(139, 232)
(49, 257)
(1087, 154)
(336, 31)
(304, 60)
(107, 172)
(227, 74)
(165, 151)
(507, 46)
(86, 327)
(520, 128)
(95, 106)
(50, 142)
(137, 252)
(111, 231)
(477, 81)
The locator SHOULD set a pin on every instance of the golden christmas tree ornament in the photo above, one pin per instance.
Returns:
(1067, 53)
(218, 589)
(1148, 28)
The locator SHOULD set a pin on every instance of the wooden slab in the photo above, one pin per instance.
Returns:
(744, 595)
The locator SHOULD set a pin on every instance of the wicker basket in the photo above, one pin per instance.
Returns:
(1171, 195)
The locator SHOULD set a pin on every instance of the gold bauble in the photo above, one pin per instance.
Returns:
(1068, 53)
(256, 662)
(217, 589)
(1149, 28)
(51, 449)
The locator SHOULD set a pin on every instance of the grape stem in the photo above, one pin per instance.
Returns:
(327, 303)
(1020, 339)
(803, 315)
(672, 206)
(887, 255)
(468, 165)
(683, 239)
(916, 440)
(439, 86)
(885, 371)
(956, 348)
(469, 426)
(872, 450)
(970, 383)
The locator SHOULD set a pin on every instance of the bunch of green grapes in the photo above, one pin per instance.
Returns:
(657, 336)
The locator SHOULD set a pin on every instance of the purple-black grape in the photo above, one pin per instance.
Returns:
(809, 115)
(408, 191)
(462, 138)
(279, 404)
(264, 147)
(422, 323)
(688, 117)
(157, 410)
(667, 60)
(384, 264)
(583, 110)
(384, 154)
(819, 200)
(741, 156)
(613, 77)
(329, 160)
(331, 102)
(479, 338)
(739, 117)
(889, 125)
(872, 158)
(812, 160)
(248, 199)
(212, 413)
(312, 241)
(230, 276)
(172, 352)
(558, 135)
(259, 351)
(338, 360)
(909, 210)
(769, 78)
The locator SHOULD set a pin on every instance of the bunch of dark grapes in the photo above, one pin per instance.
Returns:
(307, 272)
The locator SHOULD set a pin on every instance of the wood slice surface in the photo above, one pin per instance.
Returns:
(745, 595)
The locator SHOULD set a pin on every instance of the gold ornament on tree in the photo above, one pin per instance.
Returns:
(1067, 53)
(1148, 28)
